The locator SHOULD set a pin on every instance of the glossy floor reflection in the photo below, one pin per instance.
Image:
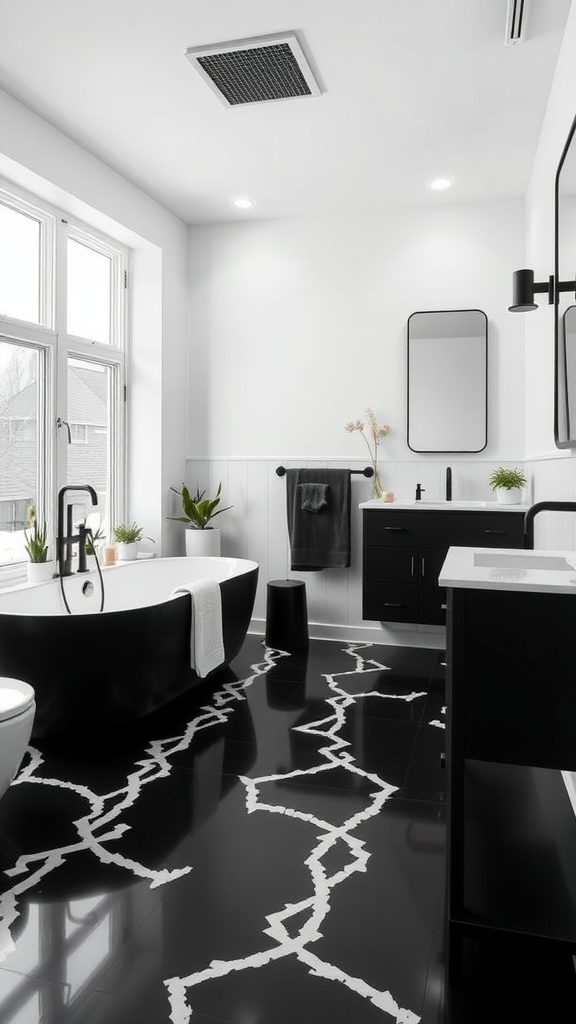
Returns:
(268, 848)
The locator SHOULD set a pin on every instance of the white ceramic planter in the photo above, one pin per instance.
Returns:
(509, 496)
(127, 552)
(202, 542)
(39, 572)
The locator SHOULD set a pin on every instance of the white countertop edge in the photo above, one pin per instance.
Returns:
(407, 505)
(459, 571)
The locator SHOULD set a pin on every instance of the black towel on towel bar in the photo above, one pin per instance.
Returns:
(313, 497)
(321, 539)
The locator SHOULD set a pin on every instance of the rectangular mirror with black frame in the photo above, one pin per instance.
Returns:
(447, 381)
(565, 310)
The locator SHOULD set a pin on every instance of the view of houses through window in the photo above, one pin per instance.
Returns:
(62, 371)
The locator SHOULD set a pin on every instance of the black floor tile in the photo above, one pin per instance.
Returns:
(269, 847)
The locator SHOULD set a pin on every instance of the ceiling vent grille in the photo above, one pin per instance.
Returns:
(516, 20)
(255, 70)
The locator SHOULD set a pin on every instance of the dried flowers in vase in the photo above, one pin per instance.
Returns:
(376, 434)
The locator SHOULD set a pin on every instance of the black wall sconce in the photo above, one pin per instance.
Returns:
(524, 288)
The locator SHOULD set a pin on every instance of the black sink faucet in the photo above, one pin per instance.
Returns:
(419, 491)
(448, 484)
(66, 537)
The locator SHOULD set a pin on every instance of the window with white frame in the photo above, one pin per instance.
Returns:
(63, 348)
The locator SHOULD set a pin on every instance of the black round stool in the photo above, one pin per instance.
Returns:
(286, 615)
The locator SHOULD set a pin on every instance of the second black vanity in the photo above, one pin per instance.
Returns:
(405, 544)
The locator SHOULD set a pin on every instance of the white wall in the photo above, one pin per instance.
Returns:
(302, 324)
(552, 470)
(539, 325)
(297, 326)
(48, 163)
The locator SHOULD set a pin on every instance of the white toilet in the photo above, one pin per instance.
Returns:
(17, 710)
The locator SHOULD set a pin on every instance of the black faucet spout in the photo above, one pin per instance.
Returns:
(448, 484)
(66, 537)
(419, 492)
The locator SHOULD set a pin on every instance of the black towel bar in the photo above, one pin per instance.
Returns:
(281, 471)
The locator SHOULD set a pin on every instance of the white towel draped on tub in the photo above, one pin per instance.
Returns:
(206, 642)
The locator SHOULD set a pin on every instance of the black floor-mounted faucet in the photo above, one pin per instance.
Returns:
(66, 537)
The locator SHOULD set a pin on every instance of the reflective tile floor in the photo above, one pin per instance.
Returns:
(268, 849)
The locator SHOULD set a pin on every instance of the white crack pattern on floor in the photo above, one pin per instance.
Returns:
(100, 827)
(317, 904)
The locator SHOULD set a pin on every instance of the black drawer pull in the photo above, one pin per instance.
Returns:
(393, 604)
(396, 529)
(501, 533)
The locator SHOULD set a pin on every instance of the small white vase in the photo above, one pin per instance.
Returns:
(202, 542)
(39, 572)
(127, 552)
(509, 495)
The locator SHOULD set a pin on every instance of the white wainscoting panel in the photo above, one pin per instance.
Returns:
(554, 479)
(256, 527)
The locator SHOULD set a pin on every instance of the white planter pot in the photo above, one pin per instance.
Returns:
(39, 572)
(127, 552)
(509, 496)
(202, 542)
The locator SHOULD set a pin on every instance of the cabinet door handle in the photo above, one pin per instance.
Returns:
(423, 568)
(501, 533)
(412, 566)
(395, 529)
(393, 604)
(444, 607)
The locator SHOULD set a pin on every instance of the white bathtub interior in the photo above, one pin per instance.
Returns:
(129, 585)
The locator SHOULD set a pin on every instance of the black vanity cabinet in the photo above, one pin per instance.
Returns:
(511, 730)
(404, 549)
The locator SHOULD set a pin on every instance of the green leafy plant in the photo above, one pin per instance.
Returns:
(92, 540)
(35, 546)
(198, 511)
(129, 533)
(508, 479)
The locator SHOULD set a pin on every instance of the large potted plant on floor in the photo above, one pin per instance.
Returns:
(198, 511)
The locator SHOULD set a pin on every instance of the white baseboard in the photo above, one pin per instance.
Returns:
(394, 635)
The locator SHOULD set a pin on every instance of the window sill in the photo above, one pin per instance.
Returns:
(12, 577)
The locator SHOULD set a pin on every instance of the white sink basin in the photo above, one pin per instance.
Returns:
(493, 560)
(423, 503)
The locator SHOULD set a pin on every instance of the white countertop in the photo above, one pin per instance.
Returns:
(410, 504)
(546, 572)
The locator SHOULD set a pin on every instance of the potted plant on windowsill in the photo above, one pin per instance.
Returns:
(198, 512)
(127, 537)
(507, 485)
(94, 543)
(39, 567)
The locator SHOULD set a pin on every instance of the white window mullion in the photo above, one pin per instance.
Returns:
(47, 274)
(60, 368)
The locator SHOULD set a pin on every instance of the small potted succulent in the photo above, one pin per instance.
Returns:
(127, 537)
(39, 567)
(198, 511)
(507, 484)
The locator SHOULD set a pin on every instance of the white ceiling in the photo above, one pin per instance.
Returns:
(412, 89)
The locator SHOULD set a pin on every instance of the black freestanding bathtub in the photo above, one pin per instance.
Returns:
(90, 666)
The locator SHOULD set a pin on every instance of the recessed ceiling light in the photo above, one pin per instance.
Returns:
(440, 183)
(243, 203)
